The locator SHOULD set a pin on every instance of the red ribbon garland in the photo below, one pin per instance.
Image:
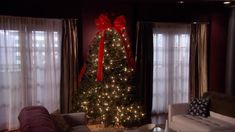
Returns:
(81, 73)
(101, 57)
(120, 26)
(103, 23)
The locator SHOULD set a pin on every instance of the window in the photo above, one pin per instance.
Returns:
(9, 53)
(39, 42)
(30, 51)
(170, 66)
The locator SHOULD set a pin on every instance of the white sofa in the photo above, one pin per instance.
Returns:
(180, 121)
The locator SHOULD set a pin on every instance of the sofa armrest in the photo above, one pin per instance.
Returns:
(75, 119)
(177, 109)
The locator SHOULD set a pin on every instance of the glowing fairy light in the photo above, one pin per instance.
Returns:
(107, 100)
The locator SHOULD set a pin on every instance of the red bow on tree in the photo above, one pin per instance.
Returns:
(103, 23)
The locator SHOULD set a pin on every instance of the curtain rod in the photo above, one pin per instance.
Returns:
(69, 18)
(36, 17)
(61, 18)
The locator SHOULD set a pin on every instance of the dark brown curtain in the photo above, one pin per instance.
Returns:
(69, 64)
(193, 74)
(198, 60)
(230, 65)
(144, 66)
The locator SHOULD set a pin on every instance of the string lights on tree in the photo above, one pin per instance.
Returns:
(106, 91)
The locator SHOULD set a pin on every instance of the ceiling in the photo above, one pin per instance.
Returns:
(64, 7)
(74, 3)
(163, 1)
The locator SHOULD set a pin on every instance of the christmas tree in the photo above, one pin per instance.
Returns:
(106, 91)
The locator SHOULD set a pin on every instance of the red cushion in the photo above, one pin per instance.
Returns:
(35, 119)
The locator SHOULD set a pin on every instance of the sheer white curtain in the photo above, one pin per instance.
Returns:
(29, 66)
(171, 44)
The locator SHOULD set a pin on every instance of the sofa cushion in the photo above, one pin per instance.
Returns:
(199, 107)
(60, 123)
(222, 103)
(80, 128)
(222, 117)
(74, 119)
(202, 124)
(35, 119)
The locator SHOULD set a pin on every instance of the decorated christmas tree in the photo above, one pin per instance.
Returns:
(106, 91)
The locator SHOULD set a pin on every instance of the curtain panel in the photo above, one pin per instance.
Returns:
(69, 64)
(230, 60)
(171, 43)
(144, 66)
(198, 60)
(30, 50)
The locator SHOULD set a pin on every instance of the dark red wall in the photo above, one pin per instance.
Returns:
(217, 50)
(216, 17)
(91, 13)
(87, 12)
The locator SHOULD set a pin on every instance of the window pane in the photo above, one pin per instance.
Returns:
(10, 56)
